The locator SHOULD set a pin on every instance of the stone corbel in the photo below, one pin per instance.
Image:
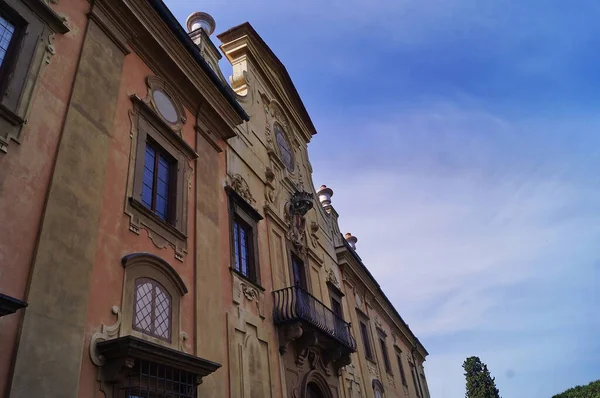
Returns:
(106, 333)
(288, 334)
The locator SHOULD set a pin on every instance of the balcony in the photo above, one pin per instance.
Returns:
(295, 305)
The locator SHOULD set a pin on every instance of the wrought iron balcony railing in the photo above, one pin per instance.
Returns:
(296, 304)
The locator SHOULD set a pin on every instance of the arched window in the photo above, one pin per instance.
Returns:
(313, 391)
(153, 308)
(152, 300)
(378, 388)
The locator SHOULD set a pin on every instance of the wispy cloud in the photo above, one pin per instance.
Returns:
(461, 139)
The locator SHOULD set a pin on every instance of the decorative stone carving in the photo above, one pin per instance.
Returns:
(242, 289)
(373, 370)
(241, 187)
(295, 210)
(182, 339)
(353, 382)
(270, 186)
(288, 334)
(331, 278)
(106, 333)
(378, 322)
(314, 238)
(50, 50)
(390, 380)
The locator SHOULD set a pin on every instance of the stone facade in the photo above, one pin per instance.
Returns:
(275, 312)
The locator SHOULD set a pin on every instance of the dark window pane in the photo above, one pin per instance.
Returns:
(161, 207)
(401, 366)
(244, 251)
(6, 33)
(365, 337)
(236, 244)
(147, 196)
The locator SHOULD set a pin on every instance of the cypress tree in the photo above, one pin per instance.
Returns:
(480, 384)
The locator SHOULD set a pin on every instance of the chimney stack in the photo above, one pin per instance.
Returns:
(200, 26)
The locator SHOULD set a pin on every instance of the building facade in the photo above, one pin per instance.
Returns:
(161, 233)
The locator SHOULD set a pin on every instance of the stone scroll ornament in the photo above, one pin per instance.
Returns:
(295, 210)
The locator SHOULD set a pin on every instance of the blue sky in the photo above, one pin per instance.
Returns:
(462, 141)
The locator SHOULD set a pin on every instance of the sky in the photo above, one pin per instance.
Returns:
(462, 141)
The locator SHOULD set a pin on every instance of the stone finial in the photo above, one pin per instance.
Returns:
(202, 20)
(325, 195)
(351, 239)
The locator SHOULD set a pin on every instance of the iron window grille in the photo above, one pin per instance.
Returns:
(151, 380)
(152, 315)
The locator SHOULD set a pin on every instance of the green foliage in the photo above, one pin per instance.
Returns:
(591, 390)
(480, 384)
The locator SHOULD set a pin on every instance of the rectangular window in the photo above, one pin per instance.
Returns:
(244, 236)
(386, 357)
(364, 332)
(401, 366)
(7, 31)
(158, 182)
(299, 273)
(412, 371)
(243, 248)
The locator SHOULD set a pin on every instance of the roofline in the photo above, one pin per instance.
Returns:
(380, 291)
(254, 33)
(176, 28)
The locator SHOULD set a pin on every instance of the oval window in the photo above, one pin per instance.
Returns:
(165, 106)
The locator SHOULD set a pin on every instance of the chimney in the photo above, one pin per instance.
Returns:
(200, 26)
(351, 240)
(325, 195)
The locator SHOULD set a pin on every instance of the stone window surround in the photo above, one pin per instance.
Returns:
(401, 366)
(145, 265)
(240, 208)
(382, 336)
(147, 123)
(36, 25)
(363, 319)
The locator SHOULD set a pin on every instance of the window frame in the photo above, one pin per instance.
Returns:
(366, 338)
(155, 285)
(149, 266)
(384, 351)
(159, 151)
(414, 377)
(147, 125)
(242, 212)
(401, 367)
(31, 48)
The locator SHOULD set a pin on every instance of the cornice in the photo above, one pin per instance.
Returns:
(356, 270)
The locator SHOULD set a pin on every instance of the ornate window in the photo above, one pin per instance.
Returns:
(160, 168)
(27, 29)
(159, 182)
(378, 388)
(414, 377)
(384, 351)
(244, 231)
(152, 297)
(285, 151)
(401, 367)
(152, 312)
(366, 339)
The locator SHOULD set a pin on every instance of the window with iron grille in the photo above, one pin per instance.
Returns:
(152, 313)
(158, 182)
(151, 380)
